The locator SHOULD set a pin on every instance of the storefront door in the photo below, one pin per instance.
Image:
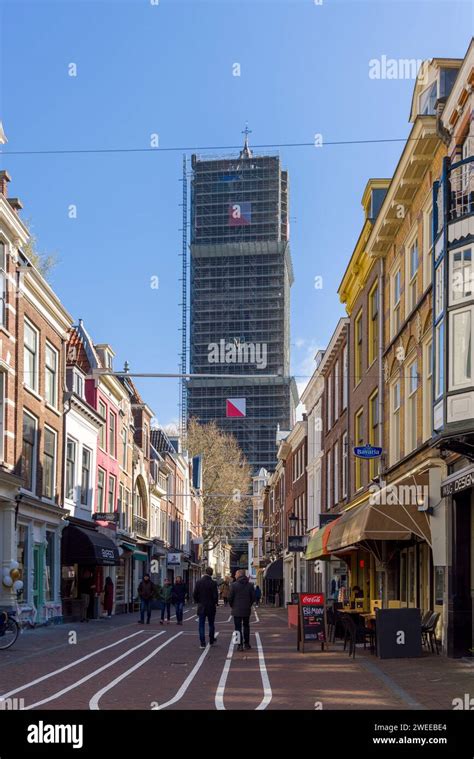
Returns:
(38, 572)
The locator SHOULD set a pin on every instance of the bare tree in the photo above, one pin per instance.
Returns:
(44, 262)
(226, 478)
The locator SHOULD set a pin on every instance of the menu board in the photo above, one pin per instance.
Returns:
(312, 619)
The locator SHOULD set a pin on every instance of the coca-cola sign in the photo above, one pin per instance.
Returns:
(312, 598)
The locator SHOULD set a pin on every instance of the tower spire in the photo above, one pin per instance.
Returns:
(246, 152)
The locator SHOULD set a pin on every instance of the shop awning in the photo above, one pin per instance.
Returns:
(318, 542)
(274, 571)
(127, 546)
(373, 521)
(83, 546)
(140, 556)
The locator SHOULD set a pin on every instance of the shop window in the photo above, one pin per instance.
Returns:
(22, 556)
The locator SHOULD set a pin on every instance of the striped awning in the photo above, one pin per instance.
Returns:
(318, 542)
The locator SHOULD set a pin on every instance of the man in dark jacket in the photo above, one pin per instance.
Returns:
(241, 598)
(179, 593)
(146, 590)
(207, 598)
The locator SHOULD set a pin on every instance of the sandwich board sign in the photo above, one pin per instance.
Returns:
(311, 620)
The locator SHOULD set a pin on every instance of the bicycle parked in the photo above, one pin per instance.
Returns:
(9, 629)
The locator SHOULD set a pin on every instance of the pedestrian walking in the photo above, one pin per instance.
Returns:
(166, 602)
(179, 593)
(86, 589)
(108, 602)
(225, 590)
(241, 598)
(258, 595)
(146, 590)
(206, 597)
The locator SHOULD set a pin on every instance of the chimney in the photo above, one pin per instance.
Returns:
(16, 204)
(4, 180)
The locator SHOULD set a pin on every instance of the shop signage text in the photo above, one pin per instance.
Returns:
(463, 482)
(367, 451)
(105, 516)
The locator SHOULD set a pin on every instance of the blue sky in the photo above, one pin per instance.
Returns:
(168, 69)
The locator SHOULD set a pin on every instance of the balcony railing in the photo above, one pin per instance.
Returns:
(140, 525)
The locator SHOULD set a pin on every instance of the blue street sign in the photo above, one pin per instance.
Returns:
(367, 451)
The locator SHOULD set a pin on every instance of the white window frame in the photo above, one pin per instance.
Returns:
(453, 301)
(68, 497)
(55, 464)
(89, 491)
(35, 385)
(78, 383)
(345, 459)
(427, 387)
(54, 401)
(34, 472)
(111, 478)
(452, 315)
(105, 425)
(394, 411)
(3, 281)
(411, 400)
(336, 473)
(100, 506)
(3, 381)
(427, 244)
(412, 275)
(336, 390)
(397, 303)
(439, 290)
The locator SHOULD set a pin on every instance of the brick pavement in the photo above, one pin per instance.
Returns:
(181, 676)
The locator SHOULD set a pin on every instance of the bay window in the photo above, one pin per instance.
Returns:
(460, 360)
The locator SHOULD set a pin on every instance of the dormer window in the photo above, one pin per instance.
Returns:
(78, 384)
(427, 100)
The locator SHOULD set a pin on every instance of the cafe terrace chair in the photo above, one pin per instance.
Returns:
(428, 632)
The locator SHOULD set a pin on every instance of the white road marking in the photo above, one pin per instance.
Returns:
(256, 616)
(219, 700)
(68, 666)
(92, 674)
(224, 621)
(94, 702)
(179, 695)
(267, 690)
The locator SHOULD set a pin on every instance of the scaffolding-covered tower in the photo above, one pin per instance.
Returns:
(241, 275)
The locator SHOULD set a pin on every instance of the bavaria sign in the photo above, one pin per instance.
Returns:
(367, 451)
